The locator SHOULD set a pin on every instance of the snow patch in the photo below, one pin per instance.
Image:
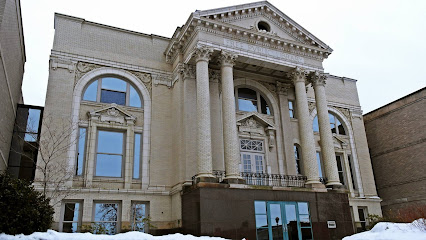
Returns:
(393, 231)
(53, 235)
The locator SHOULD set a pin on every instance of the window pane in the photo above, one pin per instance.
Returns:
(91, 92)
(247, 93)
(247, 105)
(139, 212)
(134, 99)
(71, 212)
(264, 108)
(106, 212)
(33, 120)
(315, 124)
(319, 164)
(352, 172)
(114, 84)
(108, 165)
(261, 221)
(137, 156)
(110, 142)
(303, 208)
(260, 207)
(30, 137)
(331, 117)
(105, 228)
(304, 220)
(70, 227)
(113, 97)
(80, 152)
(340, 128)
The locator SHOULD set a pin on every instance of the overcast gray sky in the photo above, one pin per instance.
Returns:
(381, 43)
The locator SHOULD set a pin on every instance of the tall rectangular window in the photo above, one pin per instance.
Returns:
(352, 172)
(71, 219)
(137, 157)
(105, 218)
(297, 159)
(109, 157)
(81, 151)
(291, 109)
(319, 164)
(139, 216)
(362, 214)
(340, 169)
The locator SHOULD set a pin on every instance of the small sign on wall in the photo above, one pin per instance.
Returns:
(331, 224)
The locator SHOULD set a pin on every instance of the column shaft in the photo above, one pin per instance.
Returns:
(204, 145)
(230, 135)
(309, 162)
(327, 146)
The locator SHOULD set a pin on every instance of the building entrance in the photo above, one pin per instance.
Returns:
(282, 221)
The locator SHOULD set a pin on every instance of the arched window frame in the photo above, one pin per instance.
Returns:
(259, 98)
(334, 120)
(129, 88)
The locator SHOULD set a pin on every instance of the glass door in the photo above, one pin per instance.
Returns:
(287, 221)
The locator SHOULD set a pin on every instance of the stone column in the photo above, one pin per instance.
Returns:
(204, 146)
(306, 132)
(327, 146)
(230, 135)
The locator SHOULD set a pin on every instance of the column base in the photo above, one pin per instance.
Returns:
(315, 185)
(205, 177)
(234, 180)
(333, 184)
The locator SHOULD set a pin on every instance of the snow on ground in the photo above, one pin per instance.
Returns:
(53, 235)
(393, 231)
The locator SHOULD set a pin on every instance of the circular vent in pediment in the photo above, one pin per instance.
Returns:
(263, 26)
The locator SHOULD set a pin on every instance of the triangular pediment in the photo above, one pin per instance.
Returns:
(112, 114)
(249, 15)
(254, 120)
(339, 142)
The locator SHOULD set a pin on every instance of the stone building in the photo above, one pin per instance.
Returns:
(12, 60)
(229, 128)
(397, 139)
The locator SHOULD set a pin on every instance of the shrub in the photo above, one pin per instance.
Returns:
(23, 209)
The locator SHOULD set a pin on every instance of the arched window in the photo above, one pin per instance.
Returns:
(249, 100)
(112, 90)
(297, 159)
(335, 125)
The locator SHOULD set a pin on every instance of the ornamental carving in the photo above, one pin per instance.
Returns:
(145, 78)
(297, 75)
(250, 125)
(345, 113)
(270, 86)
(227, 58)
(189, 72)
(83, 68)
(112, 115)
(56, 63)
(317, 78)
(203, 53)
(214, 75)
(282, 88)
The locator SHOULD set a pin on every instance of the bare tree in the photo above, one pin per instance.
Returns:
(47, 152)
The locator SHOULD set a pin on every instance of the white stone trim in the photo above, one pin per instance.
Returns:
(348, 126)
(78, 91)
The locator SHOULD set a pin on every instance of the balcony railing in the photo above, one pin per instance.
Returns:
(263, 179)
(275, 180)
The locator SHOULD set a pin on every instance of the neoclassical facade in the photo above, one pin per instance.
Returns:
(229, 128)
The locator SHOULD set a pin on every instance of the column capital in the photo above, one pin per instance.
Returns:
(317, 78)
(297, 75)
(227, 58)
(203, 53)
(188, 71)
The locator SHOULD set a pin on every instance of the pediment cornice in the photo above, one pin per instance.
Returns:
(112, 114)
(258, 118)
(218, 21)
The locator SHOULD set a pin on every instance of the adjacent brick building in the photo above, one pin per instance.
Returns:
(396, 135)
